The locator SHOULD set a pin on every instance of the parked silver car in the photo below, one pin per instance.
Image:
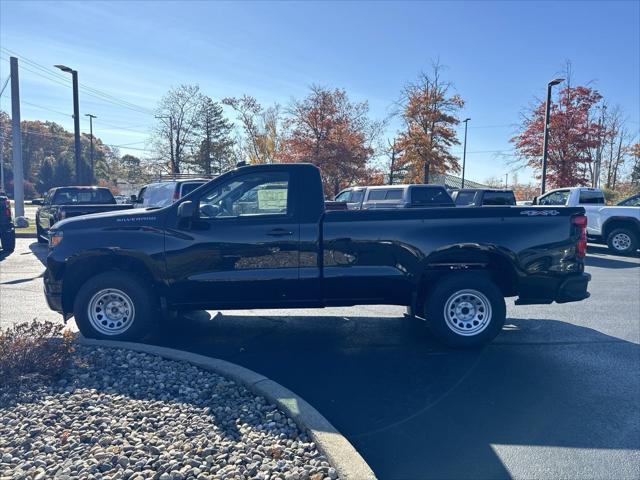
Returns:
(395, 196)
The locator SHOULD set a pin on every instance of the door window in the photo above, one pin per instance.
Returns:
(429, 196)
(248, 195)
(343, 196)
(187, 188)
(555, 198)
(498, 198)
(385, 194)
(465, 198)
(356, 196)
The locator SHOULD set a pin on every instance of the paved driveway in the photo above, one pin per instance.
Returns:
(556, 395)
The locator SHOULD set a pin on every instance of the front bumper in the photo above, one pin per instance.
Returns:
(53, 292)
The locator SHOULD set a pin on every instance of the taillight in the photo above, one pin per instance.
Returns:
(7, 208)
(580, 221)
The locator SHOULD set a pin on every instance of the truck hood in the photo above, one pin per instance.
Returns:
(136, 216)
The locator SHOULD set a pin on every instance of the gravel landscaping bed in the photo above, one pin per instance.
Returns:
(121, 414)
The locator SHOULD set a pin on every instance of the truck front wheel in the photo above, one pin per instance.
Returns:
(465, 310)
(114, 306)
(622, 241)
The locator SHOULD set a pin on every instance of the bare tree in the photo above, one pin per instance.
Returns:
(261, 126)
(178, 115)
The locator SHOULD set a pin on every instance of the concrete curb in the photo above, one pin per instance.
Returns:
(25, 235)
(340, 453)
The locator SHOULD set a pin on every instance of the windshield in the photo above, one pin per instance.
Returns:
(631, 202)
(465, 198)
(82, 196)
(157, 195)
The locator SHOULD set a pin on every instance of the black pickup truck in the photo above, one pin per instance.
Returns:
(7, 229)
(67, 202)
(259, 237)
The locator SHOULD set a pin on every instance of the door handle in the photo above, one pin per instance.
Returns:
(279, 232)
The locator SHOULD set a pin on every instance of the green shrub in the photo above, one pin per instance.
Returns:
(42, 349)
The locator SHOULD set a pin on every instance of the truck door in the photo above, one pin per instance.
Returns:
(242, 248)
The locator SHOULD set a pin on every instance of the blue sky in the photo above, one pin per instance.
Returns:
(499, 55)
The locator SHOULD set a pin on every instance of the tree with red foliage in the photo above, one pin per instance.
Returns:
(330, 131)
(573, 133)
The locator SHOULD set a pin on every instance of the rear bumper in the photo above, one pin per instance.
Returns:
(574, 288)
(7, 228)
(544, 290)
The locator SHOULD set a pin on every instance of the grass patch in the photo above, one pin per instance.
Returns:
(31, 229)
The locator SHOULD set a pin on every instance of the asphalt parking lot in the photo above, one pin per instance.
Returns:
(557, 395)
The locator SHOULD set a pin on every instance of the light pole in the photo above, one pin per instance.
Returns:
(91, 117)
(464, 151)
(546, 131)
(76, 121)
(170, 118)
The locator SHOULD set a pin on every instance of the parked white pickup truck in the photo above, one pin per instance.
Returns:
(617, 226)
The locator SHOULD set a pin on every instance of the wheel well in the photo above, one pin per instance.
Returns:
(78, 274)
(498, 268)
(612, 224)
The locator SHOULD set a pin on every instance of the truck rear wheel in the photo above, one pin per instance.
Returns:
(622, 241)
(114, 306)
(465, 310)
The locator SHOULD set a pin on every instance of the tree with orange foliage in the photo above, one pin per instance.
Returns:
(430, 113)
(573, 134)
(330, 131)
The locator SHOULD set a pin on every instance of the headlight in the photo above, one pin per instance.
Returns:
(55, 238)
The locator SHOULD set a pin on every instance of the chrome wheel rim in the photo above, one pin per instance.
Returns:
(467, 312)
(621, 241)
(111, 311)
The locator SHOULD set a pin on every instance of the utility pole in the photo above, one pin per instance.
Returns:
(506, 180)
(18, 175)
(170, 118)
(464, 151)
(545, 146)
(2, 142)
(91, 117)
(76, 122)
(1, 158)
(596, 175)
(394, 152)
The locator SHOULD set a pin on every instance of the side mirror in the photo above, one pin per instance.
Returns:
(534, 201)
(133, 198)
(37, 201)
(186, 209)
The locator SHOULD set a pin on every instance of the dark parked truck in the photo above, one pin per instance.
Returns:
(67, 202)
(7, 229)
(259, 237)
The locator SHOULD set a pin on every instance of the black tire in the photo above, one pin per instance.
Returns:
(8, 242)
(622, 241)
(40, 234)
(477, 298)
(116, 283)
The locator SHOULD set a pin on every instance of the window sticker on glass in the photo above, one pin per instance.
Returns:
(272, 199)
